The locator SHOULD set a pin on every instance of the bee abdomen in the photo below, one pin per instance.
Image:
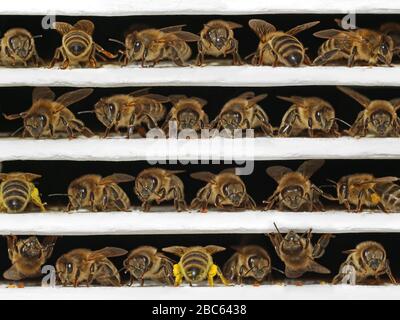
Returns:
(390, 196)
(15, 195)
(288, 48)
(196, 260)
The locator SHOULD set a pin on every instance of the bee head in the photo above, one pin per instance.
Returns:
(231, 119)
(385, 50)
(323, 117)
(235, 192)
(218, 36)
(292, 243)
(374, 258)
(293, 196)
(79, 192)
(36, 124)
(187, 118)
(258, 267)
(146, 185)
(381, 122)
(107, 112)
(31, 248)
(135, 45)
(21, 44)
(138, 265)
(67, 270)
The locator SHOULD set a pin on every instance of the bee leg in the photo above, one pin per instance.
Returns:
(250, 203)
(107, 132)
(351, 60)
(57, 57)
(325, 57)
(307, 60)
(146, 206)
(105, 52)
(178, 275)
(322, 244)
(200, 55)
(265, 126)
(270, 202)
(236, 59)
(360, 202)
(35, 196)
(388, 271)
(286, 128)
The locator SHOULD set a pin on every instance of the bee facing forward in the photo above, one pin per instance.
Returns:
(225, 190)
(131, 111)
(159, 185)
(188, 113)
(196, 264)
(310, 116)
(355, 46)
(18, 49)
(298, 253)
(78, 47)
(17, 191)
(87, 266)
(379, 117)
(278, 48)
(48, 117)
(364, 190)
(96, 193)
(248, 262)
(147, 263)
(151, 46)
(295, 191)
(217, 39)
(243, 113)
(369, 259)
(28, 256)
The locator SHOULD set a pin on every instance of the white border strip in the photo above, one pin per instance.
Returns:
(207, 150)
(264, 292)
(224, 76)
(196, 7)
(139, 223)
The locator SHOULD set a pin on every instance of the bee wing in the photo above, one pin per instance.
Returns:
(361, 99)
(214, 249)
(277, 172)
(176, 97)
(261, 27)
(176, 250)
(233, 25)
(85, 25)
(308, 168)
(257, 99)
(73, 97)
(157, 97)
(63, 27)
(330, 33)
(108, 252)
(13, 274)
(395, 103)
(386, 180)
(187, 36)
(203, 102)
(247, 95)
(31, 176)
(48, 243)
(171, 172)
(117, 178)
(140, 92)
(173, 28)
(203, 176)
(293, 99)
(302, 27)
(43, 93)
(349, 251)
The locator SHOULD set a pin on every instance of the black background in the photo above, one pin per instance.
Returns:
(57, 175)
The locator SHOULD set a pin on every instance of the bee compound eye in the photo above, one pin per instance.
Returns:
(137, 45)
(69, 267)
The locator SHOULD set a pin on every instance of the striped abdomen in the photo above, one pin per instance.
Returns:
(15, 194)
(195, 265)
(180, 48)
(78, 43)
(289, 49)
(333, 44)
(118, 199)
(390, 196)
(153, 108)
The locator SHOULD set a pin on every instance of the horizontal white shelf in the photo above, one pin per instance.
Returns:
(264, 292)
(225, 76)
(139, 223)
(207, 150)
(179, 7)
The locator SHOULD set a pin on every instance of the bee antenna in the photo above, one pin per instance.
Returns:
(331, 181)
(87, 111)
(342, 121)
(276, 269)
(276, 227)
(38, 36)
(16, 131)
(59, 195)
(327, 186)
(248, 271)
(117, 41)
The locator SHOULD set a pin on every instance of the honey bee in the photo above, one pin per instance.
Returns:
(392, 29)
(87, 266)
(188, 113)
(379, 117)
(278, 48)
(223, 190)
(298, 253)
(131, 111)
(18, 48)
(217, 39)
(364, 190)
(310, 116)
(93, 192)
(248, 262)
(243, 113)
(78, 47)
(17, 191)
(28, 256)
(295, 191)
(146, 263)
(48, 117)
(196, 264)
(369, 260)
(355, 46)
(160, 185)
(151, 46)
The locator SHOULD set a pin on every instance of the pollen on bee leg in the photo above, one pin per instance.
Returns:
(375, 198)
